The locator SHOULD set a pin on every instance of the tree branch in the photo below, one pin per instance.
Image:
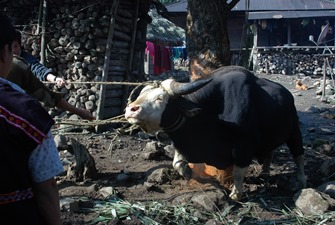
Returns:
(232, 4)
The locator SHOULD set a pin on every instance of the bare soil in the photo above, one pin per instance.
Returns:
(121, 165)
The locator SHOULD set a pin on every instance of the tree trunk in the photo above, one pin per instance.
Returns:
(207, 38)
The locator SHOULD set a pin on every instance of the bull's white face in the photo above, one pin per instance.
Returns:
(146, 111)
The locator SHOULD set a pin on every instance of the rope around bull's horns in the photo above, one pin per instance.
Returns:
(82, 122)
(100, 82)
(117, 119)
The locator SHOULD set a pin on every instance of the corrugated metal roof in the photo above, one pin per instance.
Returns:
(289, 14)
(177, 7)
(292, 5)
(266, 9)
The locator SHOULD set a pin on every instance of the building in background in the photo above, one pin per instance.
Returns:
(165, 44)
(269, 31)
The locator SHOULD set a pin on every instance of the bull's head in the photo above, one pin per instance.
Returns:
(154, 102)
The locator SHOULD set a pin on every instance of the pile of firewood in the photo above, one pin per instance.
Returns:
(293, 63)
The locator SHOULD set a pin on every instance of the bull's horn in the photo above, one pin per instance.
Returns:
(175, 88)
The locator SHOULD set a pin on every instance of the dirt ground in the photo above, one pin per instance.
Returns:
(121, 163)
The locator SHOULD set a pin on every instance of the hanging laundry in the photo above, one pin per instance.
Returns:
(166, 59)
(150, 48)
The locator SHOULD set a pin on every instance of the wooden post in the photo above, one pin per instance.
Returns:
(241, 59)
(40, 11)
(331, 72)
(289, 41)
(131, 55)
(133, 38)
(44, 22)
(101, 102)
(254, 48)
(323, 97)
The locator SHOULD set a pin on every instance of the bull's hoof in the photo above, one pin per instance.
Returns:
(185, 171)
(302, 182)
(236, 193)
(235, 196)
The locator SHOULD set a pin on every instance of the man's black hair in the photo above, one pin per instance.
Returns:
(7, 31)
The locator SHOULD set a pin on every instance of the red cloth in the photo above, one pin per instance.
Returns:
(157, 60)
(161, 57)
(150, 48)
(166, 59)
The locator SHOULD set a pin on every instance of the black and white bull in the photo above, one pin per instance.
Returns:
(226, 120)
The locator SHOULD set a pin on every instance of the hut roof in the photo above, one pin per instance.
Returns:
(268, 9)
(163, 32)
(272, 9)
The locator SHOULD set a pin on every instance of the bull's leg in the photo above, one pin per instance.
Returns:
(297, 150)
(181, 165)
(238, 176)
(300, 170)
(266, 164)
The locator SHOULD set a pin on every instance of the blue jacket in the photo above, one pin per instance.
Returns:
(38, 69)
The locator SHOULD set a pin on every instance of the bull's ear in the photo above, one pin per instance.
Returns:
(188, 108)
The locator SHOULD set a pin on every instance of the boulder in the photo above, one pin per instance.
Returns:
(312, 202)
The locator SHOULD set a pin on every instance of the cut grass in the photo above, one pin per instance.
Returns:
(163, 212)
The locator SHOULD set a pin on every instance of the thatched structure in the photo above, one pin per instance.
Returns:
(163, 32)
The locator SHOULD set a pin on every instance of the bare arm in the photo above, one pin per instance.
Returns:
(42, 72)
(60, 82)
(83, 113)
(47, 198)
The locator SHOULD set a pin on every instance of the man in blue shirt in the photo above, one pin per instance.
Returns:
(42, 72)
